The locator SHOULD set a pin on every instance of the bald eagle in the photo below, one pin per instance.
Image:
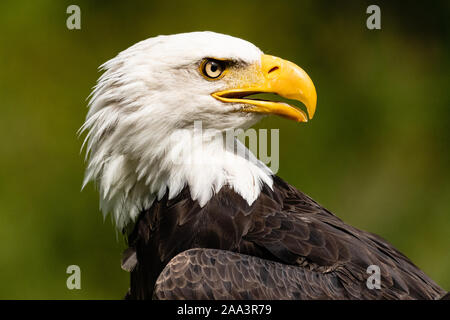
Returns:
(206, 220)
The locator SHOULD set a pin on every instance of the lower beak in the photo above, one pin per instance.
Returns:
(280, 77)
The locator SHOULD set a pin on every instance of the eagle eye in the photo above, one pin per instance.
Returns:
(212, 69)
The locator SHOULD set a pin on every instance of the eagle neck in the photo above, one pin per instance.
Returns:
(207, 160)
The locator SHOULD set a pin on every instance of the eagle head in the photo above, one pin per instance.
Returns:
(143, 111)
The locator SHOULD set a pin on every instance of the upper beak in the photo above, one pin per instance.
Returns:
(281, 77)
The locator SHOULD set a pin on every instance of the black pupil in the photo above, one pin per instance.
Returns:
(214, 66)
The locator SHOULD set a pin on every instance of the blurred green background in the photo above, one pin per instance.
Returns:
(376, 154)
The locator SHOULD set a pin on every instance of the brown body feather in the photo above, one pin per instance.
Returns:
(283, 246)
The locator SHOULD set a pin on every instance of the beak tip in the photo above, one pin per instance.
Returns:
(312, 109)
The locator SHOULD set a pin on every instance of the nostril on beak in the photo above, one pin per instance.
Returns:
(273, 69)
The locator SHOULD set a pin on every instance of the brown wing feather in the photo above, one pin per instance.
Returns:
(199, 274)
(300, 232)
(325, 257)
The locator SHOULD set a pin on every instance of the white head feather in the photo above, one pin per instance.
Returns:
(141, 141)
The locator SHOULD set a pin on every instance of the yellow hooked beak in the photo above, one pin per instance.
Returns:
(281, 77)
